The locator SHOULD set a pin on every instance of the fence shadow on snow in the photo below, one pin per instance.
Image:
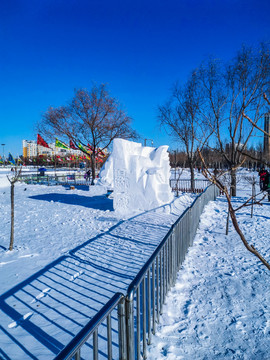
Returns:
(104, 298)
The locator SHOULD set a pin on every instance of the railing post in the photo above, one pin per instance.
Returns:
(153, 297)
(78, 355)
(130, 326)
(190, 225)
(157, 288)
(144, 316)
(95, 344)
(149, 306)
(138, 318)
(173, 258)
(121, 333)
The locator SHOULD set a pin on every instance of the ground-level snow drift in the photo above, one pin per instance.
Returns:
(220, 306)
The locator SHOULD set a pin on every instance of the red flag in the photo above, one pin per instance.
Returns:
(42, 142)
(72, 145)
(90, 147)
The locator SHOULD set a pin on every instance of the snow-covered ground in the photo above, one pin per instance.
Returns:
(94, 253)
(220, 305)
(219, 308)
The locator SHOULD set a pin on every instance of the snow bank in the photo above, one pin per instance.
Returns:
(4, 180)
(139, 176)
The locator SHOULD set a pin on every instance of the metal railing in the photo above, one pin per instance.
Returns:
(57, 179)
(139, 311)
(73, 349)
(147, 292)
(184, 185)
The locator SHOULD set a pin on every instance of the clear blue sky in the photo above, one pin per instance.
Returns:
(139, 48)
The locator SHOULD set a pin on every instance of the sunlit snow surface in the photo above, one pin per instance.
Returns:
(220, 305)
(81, 253)
(77, 253)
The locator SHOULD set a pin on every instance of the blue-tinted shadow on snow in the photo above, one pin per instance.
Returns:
(78, 187)
(63, 296)
(93, 202)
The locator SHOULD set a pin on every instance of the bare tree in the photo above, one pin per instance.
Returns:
(92, 119)
(181, 118)
(12, 181)
(231, 91)
(232, 211)
(252, 181)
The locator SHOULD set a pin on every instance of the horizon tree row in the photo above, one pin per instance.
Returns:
(254, 160)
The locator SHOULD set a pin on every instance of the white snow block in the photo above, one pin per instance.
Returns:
(140, 176)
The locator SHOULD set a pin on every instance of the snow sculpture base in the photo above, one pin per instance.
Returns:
(140, 176)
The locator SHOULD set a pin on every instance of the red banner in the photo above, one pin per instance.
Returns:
(72, 145)
(42, 142)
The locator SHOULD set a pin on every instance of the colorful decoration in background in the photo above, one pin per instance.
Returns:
(82, 148)
(72, 145)
(1, 160)
(101, 153)
(90, 149)
(42, 142)
(60, 144)
(10, 159)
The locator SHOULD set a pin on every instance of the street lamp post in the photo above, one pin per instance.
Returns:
(152, 143)
(175, 164)
(3, 152)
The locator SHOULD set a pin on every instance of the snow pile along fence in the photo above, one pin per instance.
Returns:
(139, 310)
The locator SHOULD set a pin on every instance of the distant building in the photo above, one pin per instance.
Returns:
(31, 150)
(266, 142)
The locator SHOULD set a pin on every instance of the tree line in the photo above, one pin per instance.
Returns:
(255, 158)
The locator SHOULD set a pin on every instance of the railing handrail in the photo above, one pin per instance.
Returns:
(137, 280)
(76, 343)
(188, 179)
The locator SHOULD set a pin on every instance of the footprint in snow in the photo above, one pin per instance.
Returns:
(18, 322)
(73, 277)
(41, 295)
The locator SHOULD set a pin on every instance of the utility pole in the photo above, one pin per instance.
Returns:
(3, 152)
(175, 164)
(145, 140)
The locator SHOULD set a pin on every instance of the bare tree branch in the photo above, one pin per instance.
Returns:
(232, 212)
(92, 119)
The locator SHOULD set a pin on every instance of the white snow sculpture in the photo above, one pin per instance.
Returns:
(140, 176)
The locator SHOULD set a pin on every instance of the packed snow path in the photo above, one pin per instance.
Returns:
(220, 305)
(44, 312)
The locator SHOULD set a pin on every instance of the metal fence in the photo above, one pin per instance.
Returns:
(57, 179)
(140, 309)
(181, 185)
(184, 185)
(73, 349)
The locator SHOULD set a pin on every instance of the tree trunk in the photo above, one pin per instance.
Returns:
(12, 217)
(192, 181)
(93, 167)
(228, 215)
(233, 183)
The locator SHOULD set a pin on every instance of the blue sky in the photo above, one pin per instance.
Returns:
(50, 47)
